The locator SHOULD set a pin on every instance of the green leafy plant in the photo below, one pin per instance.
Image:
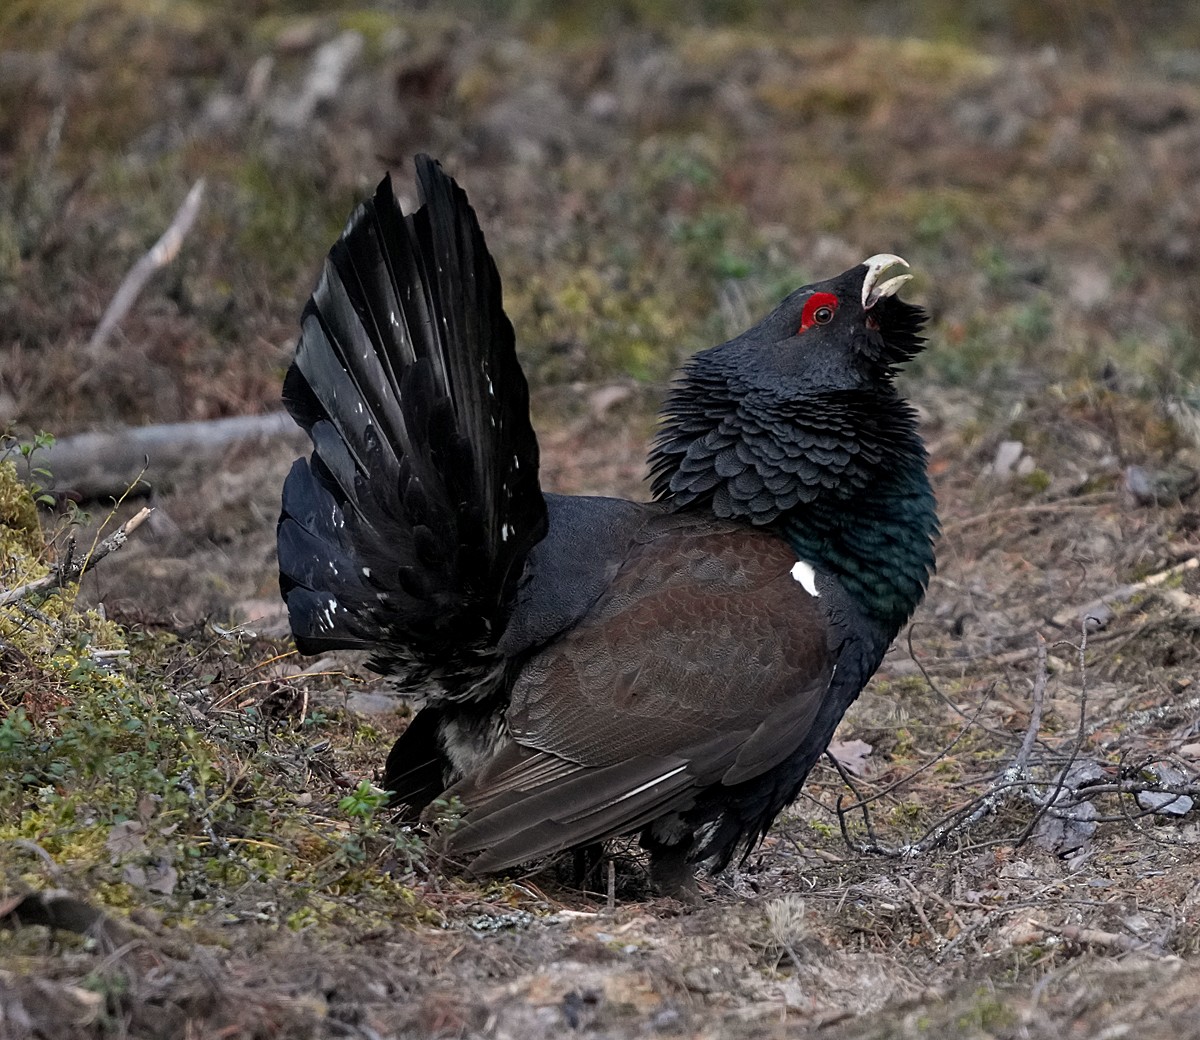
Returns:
(37, 477)
(363, 802)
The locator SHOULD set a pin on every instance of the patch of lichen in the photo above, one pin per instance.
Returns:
(51, 644)
(20, 530)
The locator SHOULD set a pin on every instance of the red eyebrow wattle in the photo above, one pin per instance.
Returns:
(815, 302)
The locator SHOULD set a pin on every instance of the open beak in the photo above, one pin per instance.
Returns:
(873, 290)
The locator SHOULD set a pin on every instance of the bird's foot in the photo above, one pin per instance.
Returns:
(672, 875)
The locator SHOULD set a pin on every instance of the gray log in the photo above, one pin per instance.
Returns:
(104, 465)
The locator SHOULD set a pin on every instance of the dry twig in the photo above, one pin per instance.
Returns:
(1016, 775)
(1044, 803)
(1015, 779)
(161, 253)
(74, 569)
(1100, 498)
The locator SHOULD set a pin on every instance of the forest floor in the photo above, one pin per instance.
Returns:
(1008, 845)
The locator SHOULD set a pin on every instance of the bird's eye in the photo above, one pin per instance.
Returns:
(819, 310)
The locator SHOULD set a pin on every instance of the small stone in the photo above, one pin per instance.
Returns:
(1089, 286)
(1098, 617)
(1161, 487)
(668, 1018)
(1008, 454)
(1164, 803)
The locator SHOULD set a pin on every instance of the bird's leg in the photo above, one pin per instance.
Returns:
(586, 862)
(671, 873)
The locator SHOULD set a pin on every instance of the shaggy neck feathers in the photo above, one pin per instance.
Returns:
(841, 475)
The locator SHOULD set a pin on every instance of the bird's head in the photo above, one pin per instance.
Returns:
(844, 334)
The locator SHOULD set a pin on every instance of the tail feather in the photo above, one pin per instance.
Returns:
(407, 529)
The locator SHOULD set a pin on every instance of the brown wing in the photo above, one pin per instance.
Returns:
(705, 662)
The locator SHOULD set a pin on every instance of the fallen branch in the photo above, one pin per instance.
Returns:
(1099, 606)
(1015, 779)
(165, 455)
(862, 802)
(1099, 937)
(161, 253)
(73, 571)
(1136, 787)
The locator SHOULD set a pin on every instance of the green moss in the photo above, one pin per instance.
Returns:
(373, 26)
(907, 811)
(610, 322)
(988, 1014)
(1035, 482)
(130, 773)
(289, 217)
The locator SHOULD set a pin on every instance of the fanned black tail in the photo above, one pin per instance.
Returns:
(406, 531)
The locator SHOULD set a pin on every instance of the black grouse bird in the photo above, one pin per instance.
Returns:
(592, 667)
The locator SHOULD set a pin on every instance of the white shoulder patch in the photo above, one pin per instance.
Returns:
(803, 572)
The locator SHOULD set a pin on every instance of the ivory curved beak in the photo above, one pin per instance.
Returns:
(873, 289)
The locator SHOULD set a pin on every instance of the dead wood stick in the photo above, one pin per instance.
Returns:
(1123, 594)
(1099, 937)
(917, 901)
(165, 455)
(161, 253)
(59, 577)
(1087, 502)
(1021, 762)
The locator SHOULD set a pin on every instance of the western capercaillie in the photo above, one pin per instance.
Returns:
(591, 667)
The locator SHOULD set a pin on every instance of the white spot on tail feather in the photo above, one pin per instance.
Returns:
(803, 573)
(325, 617)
